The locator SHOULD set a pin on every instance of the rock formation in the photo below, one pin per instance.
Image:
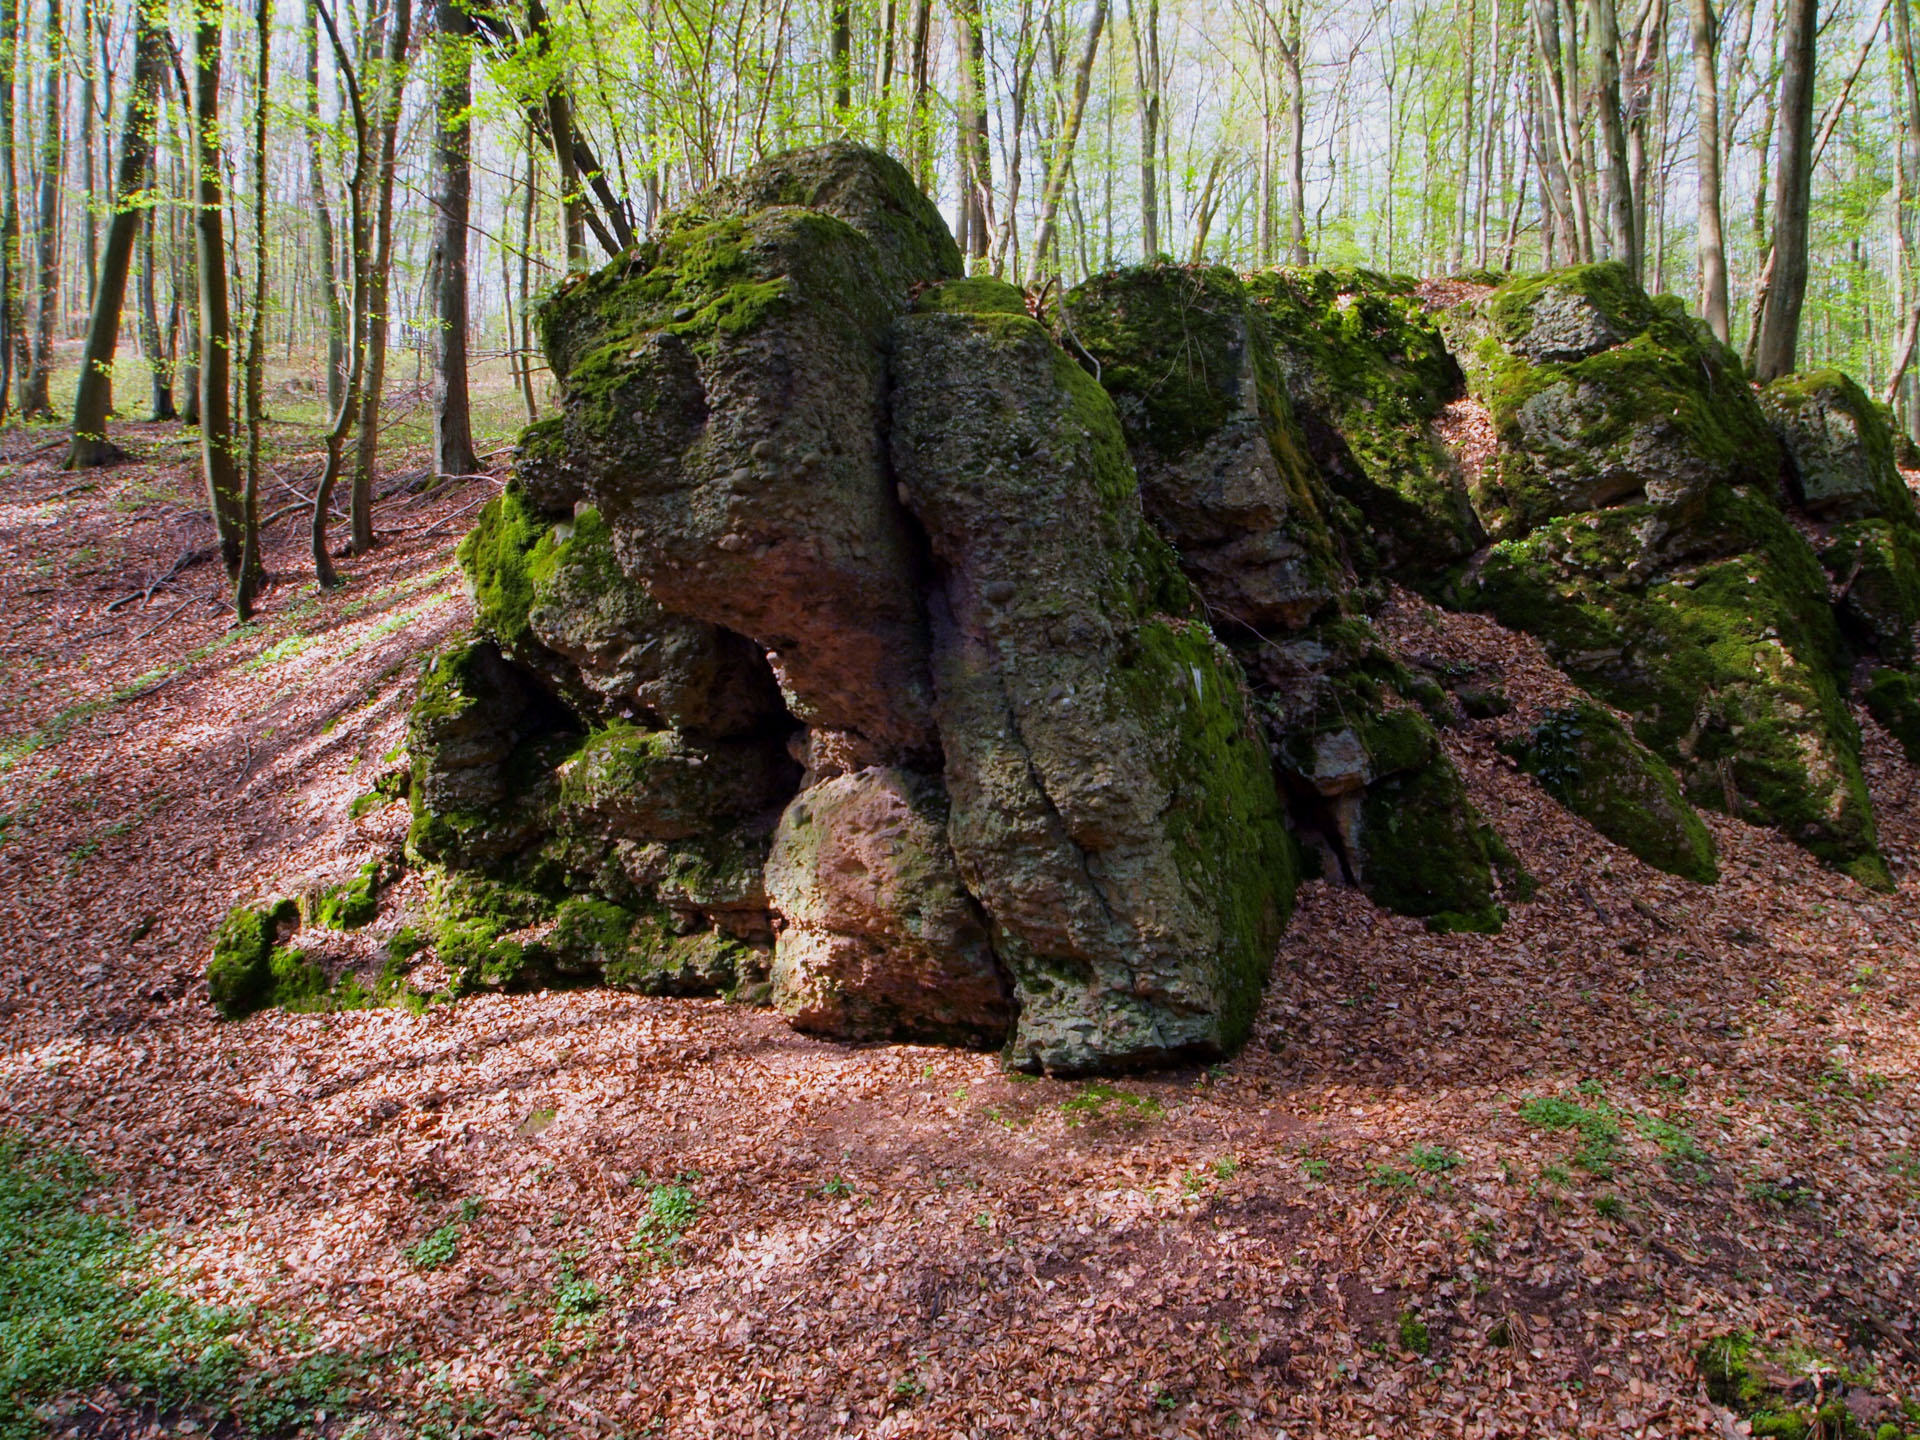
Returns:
(856, 640)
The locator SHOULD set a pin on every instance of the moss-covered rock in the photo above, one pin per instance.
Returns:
(878, 937)
(483, 740)
(1893, 698)
(1588, 761)
(631, 784)
(1874, 567)
(723, 391)
(1840, 446)
(1223, 468)
(1368, 375)
(1112, 808)
(1602, 396)
(348, 905)
(1367, 777)
(243, 975)
(872, 193)
(1727, 665)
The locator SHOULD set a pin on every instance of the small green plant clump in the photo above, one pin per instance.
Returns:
(439, 1247)
(1598, 1126)
(1414, 1335)
(1100, 1101)
(671, 1211)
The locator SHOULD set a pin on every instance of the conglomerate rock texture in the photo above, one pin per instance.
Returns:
(859, 640)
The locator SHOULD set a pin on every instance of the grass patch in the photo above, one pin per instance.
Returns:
(1100, 1101)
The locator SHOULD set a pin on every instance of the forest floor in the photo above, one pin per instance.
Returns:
(1456, 1185)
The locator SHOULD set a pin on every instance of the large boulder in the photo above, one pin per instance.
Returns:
(1585, 758)
(1370, 378)
(1839, 445)
(879, 938)
(724, 413)
(1113, 810)
(1602, 396)
(1638, 491)
(1224, 474)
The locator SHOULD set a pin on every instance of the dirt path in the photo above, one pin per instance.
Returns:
(896, 1240)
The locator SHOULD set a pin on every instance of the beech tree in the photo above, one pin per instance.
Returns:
(94, 396)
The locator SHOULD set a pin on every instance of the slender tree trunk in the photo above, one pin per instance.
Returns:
(1713, 239)
(250, 569)
(1463, 201)
(216, 329)
(920, 145)
(1563, 130)
(1296, 139)
(841, 62)
(1062, 161)
(1146, 77)
(1906, 195)
(328, 246)
(159, 353)
(1779, 333)
(525, 338)
(453, 452)
(1613, 135)
(34, 397)
(10, 308)
(94, 396)
(379, 282)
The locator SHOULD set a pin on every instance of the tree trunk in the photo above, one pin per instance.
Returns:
(328, 246)
(1779, 334)
(1146, 79)
(379, 278)
(1296, 139)
(216, 329)
(34, 398)
(1063, 145)
(10, 308)
(920, 144)
(841, 62)
(159, 351)
(250, 570)
(94, 395)
(1713, 239)
(1613, 135)
(452, 421)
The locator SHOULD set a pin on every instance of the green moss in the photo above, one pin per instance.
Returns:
(1728, 669)
(1894, 700)
(242, 974)
(350, 905)
(975, 295)
(1731, 1366)
(1849, 464)
(1424, 851)
(1588, 761)
(1171, 345)
(494, 555)
(1608, 286)
(1226, 804)
(1368, 373)
(1875, 568)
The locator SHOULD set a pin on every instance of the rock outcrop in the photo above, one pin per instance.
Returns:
(855, 640)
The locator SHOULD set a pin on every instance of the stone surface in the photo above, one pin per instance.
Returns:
(878, 936)
(1647, 547)
(737, 454)
(1112, 810)
(1368, 375)
(1839, 445)
(1591, 763)
(1603, 397)
(1223, 470)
